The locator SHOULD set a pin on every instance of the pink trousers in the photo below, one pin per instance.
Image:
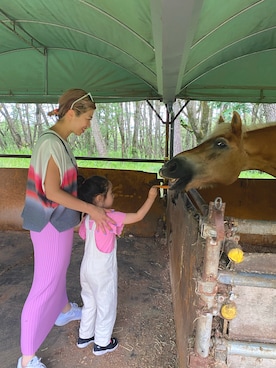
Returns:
(48, 295)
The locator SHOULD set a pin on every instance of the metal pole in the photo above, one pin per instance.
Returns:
(252, 349)
(207, 287)
(247, 279)
(247, 348)
(203, 335)
(167, 135)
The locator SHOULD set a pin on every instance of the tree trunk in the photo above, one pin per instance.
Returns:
(120, 122)
(192, 111)
(99, 141)
(11, 124)
(134, 149)
(270, 112)
(205, 121)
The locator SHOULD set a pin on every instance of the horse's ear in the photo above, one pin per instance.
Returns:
(236, 124)
(221, 120)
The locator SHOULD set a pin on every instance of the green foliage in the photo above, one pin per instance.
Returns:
(126, 130)
(137, 166)
(250, 113)
(255, 174)
(14, 162)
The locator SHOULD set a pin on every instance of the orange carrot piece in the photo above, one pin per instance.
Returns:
(162, 186)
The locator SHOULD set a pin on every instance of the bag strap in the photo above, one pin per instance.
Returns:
(52, 133)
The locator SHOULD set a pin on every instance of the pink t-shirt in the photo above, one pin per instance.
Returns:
(105, 242)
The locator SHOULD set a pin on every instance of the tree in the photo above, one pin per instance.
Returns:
(269, 112)
(199, 119)
(134, 148)
(130, 129)
(11, 125)
(99, 141)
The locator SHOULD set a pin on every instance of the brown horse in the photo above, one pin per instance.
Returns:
(221, 158)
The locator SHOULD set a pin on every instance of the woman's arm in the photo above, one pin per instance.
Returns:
(131, 218)
(54, 193)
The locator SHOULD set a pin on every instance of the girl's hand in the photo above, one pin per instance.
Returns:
(153, 193)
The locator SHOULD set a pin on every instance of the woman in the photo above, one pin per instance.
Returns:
(51, 212)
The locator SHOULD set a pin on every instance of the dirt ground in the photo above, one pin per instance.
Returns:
(144, 327)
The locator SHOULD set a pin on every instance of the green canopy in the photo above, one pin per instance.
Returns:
(122, 50)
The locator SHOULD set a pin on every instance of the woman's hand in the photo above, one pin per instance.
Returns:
(102, 220)
(58, 195)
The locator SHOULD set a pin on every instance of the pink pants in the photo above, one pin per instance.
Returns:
(48, 296)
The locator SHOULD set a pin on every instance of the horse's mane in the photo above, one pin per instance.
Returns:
(248, 128)
(222, 128)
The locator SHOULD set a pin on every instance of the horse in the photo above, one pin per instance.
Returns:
(229, 150)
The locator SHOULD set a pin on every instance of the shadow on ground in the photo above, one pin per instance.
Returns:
(144, 326)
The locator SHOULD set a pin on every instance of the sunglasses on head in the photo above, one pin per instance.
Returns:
(81, 98)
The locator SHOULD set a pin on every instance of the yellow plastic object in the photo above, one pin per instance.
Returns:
(229, 311)
(236, 255)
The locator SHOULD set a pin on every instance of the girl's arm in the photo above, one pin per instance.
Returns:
(131, 218)
(54, 193)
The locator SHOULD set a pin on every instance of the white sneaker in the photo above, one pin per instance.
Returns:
(74, 314)
(83, 343)
(101, 350)
(34, 363)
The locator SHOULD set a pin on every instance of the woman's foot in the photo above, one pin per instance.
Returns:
(35, 362)
(74, 314)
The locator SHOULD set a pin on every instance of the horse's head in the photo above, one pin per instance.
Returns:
(218, 160)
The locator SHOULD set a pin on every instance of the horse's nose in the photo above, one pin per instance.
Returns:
(168, 168)
(161, 170)
(172, 166)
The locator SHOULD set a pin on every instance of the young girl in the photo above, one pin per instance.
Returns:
(51, 212)
(98, 272)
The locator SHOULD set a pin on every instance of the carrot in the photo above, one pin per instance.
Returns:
(162, 186)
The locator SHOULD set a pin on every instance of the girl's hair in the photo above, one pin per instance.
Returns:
(93, 186)
(68, 98)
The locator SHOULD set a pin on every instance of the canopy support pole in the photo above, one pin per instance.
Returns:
(23, 35)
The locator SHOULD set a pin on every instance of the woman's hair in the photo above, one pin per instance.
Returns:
(70, 97)
(93, 186)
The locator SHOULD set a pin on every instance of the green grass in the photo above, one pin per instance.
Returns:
(255, 174)
(14, 162)
(136, 166)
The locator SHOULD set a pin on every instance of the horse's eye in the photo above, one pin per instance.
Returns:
(221, 143)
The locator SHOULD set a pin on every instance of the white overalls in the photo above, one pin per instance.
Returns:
(99, 279)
